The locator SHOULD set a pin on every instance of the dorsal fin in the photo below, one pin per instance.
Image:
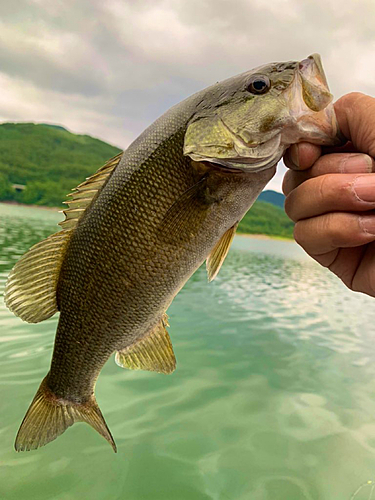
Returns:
(84, 193)
(219, 252)
(154, 352)
(31, 287)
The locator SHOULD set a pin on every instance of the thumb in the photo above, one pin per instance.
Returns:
(355, 114)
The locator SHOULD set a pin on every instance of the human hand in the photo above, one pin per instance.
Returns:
(331, 197)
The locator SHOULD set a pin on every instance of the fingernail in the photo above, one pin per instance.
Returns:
(367, 222)
(357, 163)
(364, 187)
(294, 154)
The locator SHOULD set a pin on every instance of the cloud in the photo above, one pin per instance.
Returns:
(110, 68)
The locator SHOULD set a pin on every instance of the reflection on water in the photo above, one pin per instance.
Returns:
(273, 397)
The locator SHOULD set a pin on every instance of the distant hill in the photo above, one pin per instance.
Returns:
(265, 218)
(272, 197)
(40, 164)
(48, 160)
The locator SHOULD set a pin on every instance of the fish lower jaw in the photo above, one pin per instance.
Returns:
(247, 157)
(308, 131)
(243, 164)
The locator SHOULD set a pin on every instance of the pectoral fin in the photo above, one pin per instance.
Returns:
(30, 291)
(186, 213)
(219, 252)
(153, 352)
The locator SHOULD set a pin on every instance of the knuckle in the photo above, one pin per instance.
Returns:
(363, 283)
(334, 190)
(323, 186)
(348, 100)
(333, 229)
(341, 229)
(329, 163)
(320, 182)
(371, 284)
(289, 205)
(287, 182)
(300, 234)
(295, 201)
(321, 234)
(323, 228)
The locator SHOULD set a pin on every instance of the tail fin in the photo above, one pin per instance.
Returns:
(48, 417)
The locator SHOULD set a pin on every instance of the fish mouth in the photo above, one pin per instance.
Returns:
(310, 105)
(315, 90)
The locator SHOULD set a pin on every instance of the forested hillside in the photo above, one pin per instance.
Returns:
(48, 160)
(265, 218)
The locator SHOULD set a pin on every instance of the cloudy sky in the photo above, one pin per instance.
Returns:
(108, 68)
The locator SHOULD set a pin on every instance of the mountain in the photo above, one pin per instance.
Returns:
(41, 163)
(272, 197)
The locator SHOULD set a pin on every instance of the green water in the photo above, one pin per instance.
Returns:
(273, 397)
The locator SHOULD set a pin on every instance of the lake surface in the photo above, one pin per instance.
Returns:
(273, 397)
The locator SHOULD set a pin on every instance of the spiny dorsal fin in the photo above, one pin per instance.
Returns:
(154, 352)
(84, 193)
(219, 252)
(30, 291)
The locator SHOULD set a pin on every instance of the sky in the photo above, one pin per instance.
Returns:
(109, 68)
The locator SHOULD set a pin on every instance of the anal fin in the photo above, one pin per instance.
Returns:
(154, 352)
(219, 252)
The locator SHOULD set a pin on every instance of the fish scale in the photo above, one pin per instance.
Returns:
(98, 275)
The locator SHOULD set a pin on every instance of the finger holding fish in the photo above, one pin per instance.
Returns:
(301, 156)
(334, 163)
(333, 202)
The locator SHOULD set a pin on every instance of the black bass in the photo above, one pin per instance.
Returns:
(138, 229)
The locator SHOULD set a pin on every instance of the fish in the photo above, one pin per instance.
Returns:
(137, 229)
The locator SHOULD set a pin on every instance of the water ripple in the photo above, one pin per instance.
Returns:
(273, 396)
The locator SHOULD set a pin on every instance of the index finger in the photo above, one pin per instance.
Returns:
(335, 163)
(355, 113)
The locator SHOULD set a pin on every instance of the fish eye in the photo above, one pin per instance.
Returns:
(259, 84)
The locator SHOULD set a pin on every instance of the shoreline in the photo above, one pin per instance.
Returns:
(44, 207)
(261, 236)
